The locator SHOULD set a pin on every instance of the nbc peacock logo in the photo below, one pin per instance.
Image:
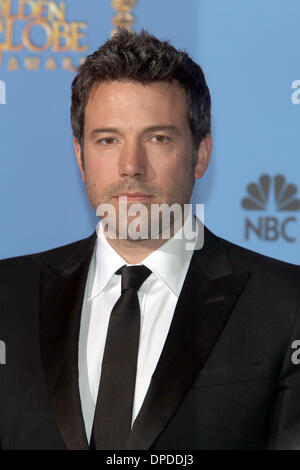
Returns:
(276, 197)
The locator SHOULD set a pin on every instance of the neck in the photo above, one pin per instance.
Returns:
(135, 251)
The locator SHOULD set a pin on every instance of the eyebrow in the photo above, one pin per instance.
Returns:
(114, 130)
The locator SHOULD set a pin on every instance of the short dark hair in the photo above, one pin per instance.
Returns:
(143, 58)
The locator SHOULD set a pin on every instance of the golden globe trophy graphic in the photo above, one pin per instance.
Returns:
(124, 18)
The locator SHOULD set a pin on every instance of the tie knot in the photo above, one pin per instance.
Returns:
(133, 276)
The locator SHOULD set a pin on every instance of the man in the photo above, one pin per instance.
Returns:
(186, 349)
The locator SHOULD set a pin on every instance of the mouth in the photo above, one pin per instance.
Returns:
(135, 196)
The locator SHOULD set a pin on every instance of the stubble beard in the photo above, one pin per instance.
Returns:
(179, 196)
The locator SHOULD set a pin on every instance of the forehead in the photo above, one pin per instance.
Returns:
(121, 102)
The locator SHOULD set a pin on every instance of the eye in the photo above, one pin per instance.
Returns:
(160, 139)
(107, 141)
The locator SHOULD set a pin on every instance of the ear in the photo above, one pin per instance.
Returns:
(78, 157)
(203, 156)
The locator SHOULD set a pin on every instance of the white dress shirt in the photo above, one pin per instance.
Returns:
(157, 298)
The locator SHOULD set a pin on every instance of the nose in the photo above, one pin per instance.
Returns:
(133, 161)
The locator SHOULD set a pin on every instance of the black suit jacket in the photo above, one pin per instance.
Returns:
(224, 380)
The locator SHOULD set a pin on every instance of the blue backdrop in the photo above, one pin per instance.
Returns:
(249, 53)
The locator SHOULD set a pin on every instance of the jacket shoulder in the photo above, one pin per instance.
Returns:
(36, 259)
(242, 254)
(268, 268)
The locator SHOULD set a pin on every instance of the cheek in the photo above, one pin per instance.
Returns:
(178, 171)
(99, 169)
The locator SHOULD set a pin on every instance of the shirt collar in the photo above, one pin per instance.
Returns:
(106, 262)
(169, 263)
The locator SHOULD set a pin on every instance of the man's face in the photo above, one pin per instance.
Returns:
(138, 143)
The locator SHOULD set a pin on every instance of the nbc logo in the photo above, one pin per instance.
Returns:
(273, 195)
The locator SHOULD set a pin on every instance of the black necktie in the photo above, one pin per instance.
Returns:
(113, 414)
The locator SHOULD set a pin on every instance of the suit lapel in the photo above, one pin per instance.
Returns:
(63, 285)
(209, 293)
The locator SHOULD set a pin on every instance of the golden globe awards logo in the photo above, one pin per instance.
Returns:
(38, 34)
(274, 196)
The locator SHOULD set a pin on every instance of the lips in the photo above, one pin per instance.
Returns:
(135, 196)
